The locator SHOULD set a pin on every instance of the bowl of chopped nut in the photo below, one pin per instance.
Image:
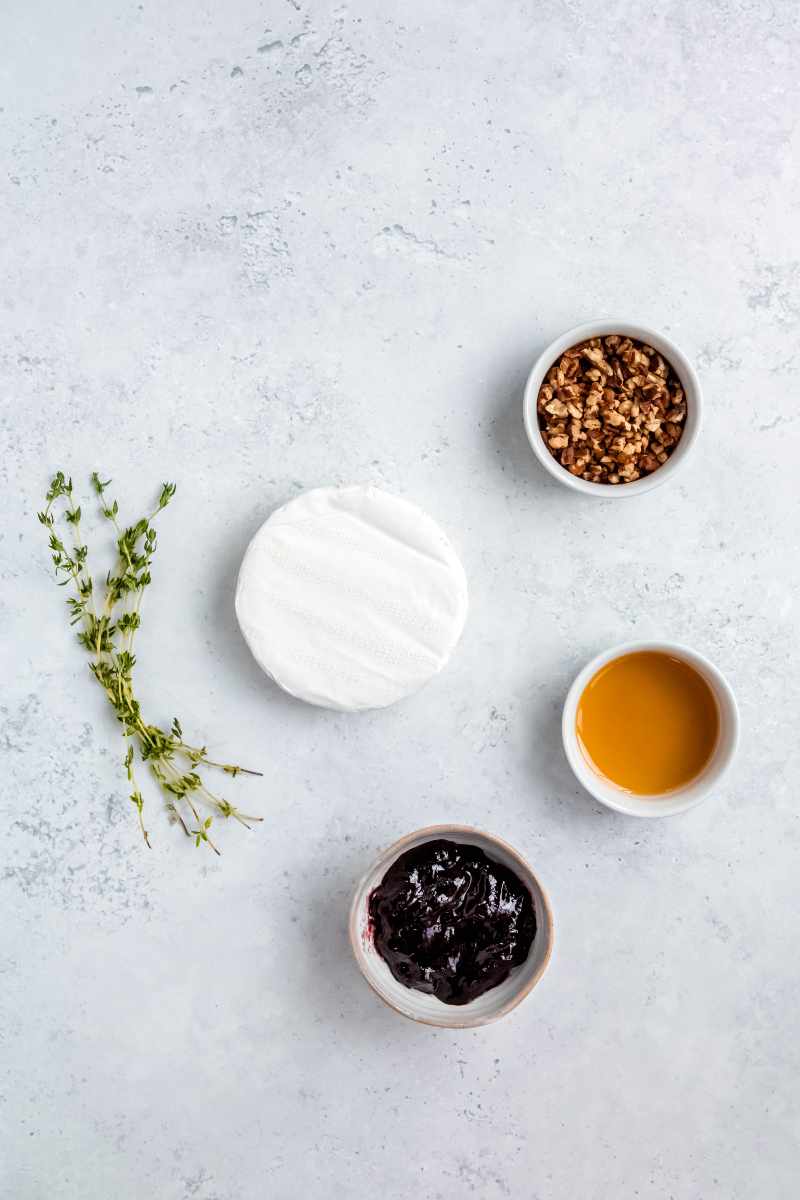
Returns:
(612, 408)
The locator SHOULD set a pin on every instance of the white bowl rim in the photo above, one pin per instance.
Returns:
(682, 799)
(453, 1016)
(666, 347)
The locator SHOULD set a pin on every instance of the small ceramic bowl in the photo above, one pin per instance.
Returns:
(681, 799)
(419, 1007)
(683, 369)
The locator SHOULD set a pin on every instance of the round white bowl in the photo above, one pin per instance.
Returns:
(428, 1009)
(669, 803)
(683, 369)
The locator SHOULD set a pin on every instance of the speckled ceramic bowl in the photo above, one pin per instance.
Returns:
(683, 369)
(419, 1007)
(697, 789)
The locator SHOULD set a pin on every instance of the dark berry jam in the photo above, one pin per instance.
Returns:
(450, 922)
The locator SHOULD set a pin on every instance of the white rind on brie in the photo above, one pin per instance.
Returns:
(351, 598)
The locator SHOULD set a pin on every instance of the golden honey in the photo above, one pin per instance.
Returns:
(648, 722)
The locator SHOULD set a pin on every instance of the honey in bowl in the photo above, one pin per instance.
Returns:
(648, 722)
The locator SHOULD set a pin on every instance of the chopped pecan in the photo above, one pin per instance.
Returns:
(611, 409)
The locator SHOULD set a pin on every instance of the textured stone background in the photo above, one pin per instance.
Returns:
(257, 247)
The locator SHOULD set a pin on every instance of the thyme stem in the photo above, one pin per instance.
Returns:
(108, 636)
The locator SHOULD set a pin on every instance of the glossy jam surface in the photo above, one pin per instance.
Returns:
(449, 921)
(648, 722)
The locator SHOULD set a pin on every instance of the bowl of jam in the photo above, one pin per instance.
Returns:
(451, 927)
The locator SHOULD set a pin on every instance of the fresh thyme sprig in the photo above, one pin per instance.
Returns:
(107, 632)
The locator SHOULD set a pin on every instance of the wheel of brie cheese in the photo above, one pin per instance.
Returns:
(351, 598)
